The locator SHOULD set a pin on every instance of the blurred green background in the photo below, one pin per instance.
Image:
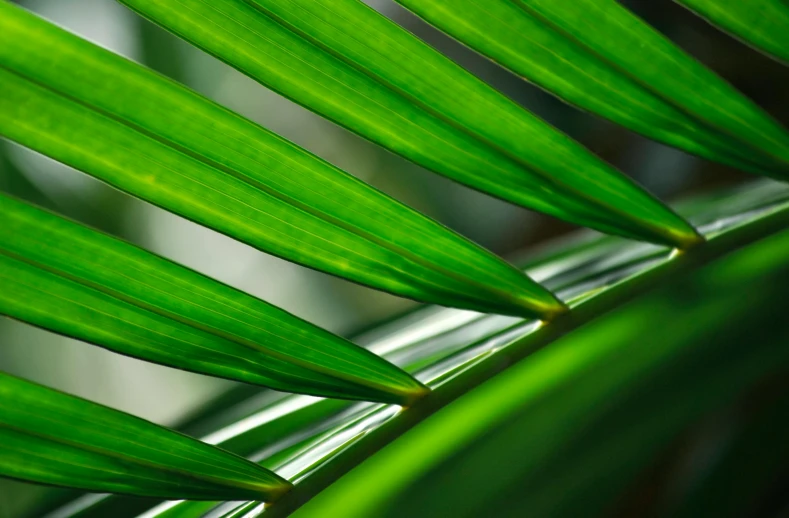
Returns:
(164, 395)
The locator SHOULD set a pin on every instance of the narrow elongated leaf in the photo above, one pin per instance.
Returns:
(346, 62)
(73, 280)
(764, 24)
(601, 58)
(53, 438)
(632, 46)
(144, 134)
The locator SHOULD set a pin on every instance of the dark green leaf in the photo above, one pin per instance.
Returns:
(745, 466)
(764, 24)
(76, 281)
(115, 120)
(564, 431)
(599, 57)
(350, 64)
(53, 438)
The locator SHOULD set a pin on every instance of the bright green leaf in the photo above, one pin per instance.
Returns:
(53, 438)
(351, 65)
(761, 23)
(146, 135)
(76, 281)
(628, 43)
(599, 57)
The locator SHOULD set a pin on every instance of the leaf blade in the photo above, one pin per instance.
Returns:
(210, 165)
(76, 281)
(612, 31)
(559, 58)
(54, 438)
(309, 52)
(763, 24)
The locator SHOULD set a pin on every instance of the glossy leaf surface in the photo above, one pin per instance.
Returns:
(53, 438)
(146, 135)
(79, 282)
(565, 431)
(764, 24)
(599, 57)
(353, 66)
(453, 351)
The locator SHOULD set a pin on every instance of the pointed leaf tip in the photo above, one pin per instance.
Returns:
(50, 437)
(683, 236)
(76, 281)
(159, 141)
(598, 56)
(325, 53)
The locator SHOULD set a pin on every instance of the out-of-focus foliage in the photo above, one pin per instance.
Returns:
(566, 431)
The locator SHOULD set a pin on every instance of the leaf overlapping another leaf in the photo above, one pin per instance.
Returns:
(600, 57)
(53, 438)
(353, 66)
(146, 135)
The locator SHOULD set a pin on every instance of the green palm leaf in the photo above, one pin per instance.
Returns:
(599, 57)
(591, 398)
(53, 438)
(453, 352)
(148, 136)
(764, 24)
(564, 432)
(346, 62)
(73, 280)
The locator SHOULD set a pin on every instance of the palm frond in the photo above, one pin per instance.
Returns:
(600, 57)
(351, 65)
(427, 389)
(454, 351)
(569, 429)
(148, 136)
(73, 280)
(54, 438)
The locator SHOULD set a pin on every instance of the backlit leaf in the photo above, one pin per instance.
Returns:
(600, 57)
(353, 66)
(79, 282)
(53, 438)
(146, 135)
(761, 23)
